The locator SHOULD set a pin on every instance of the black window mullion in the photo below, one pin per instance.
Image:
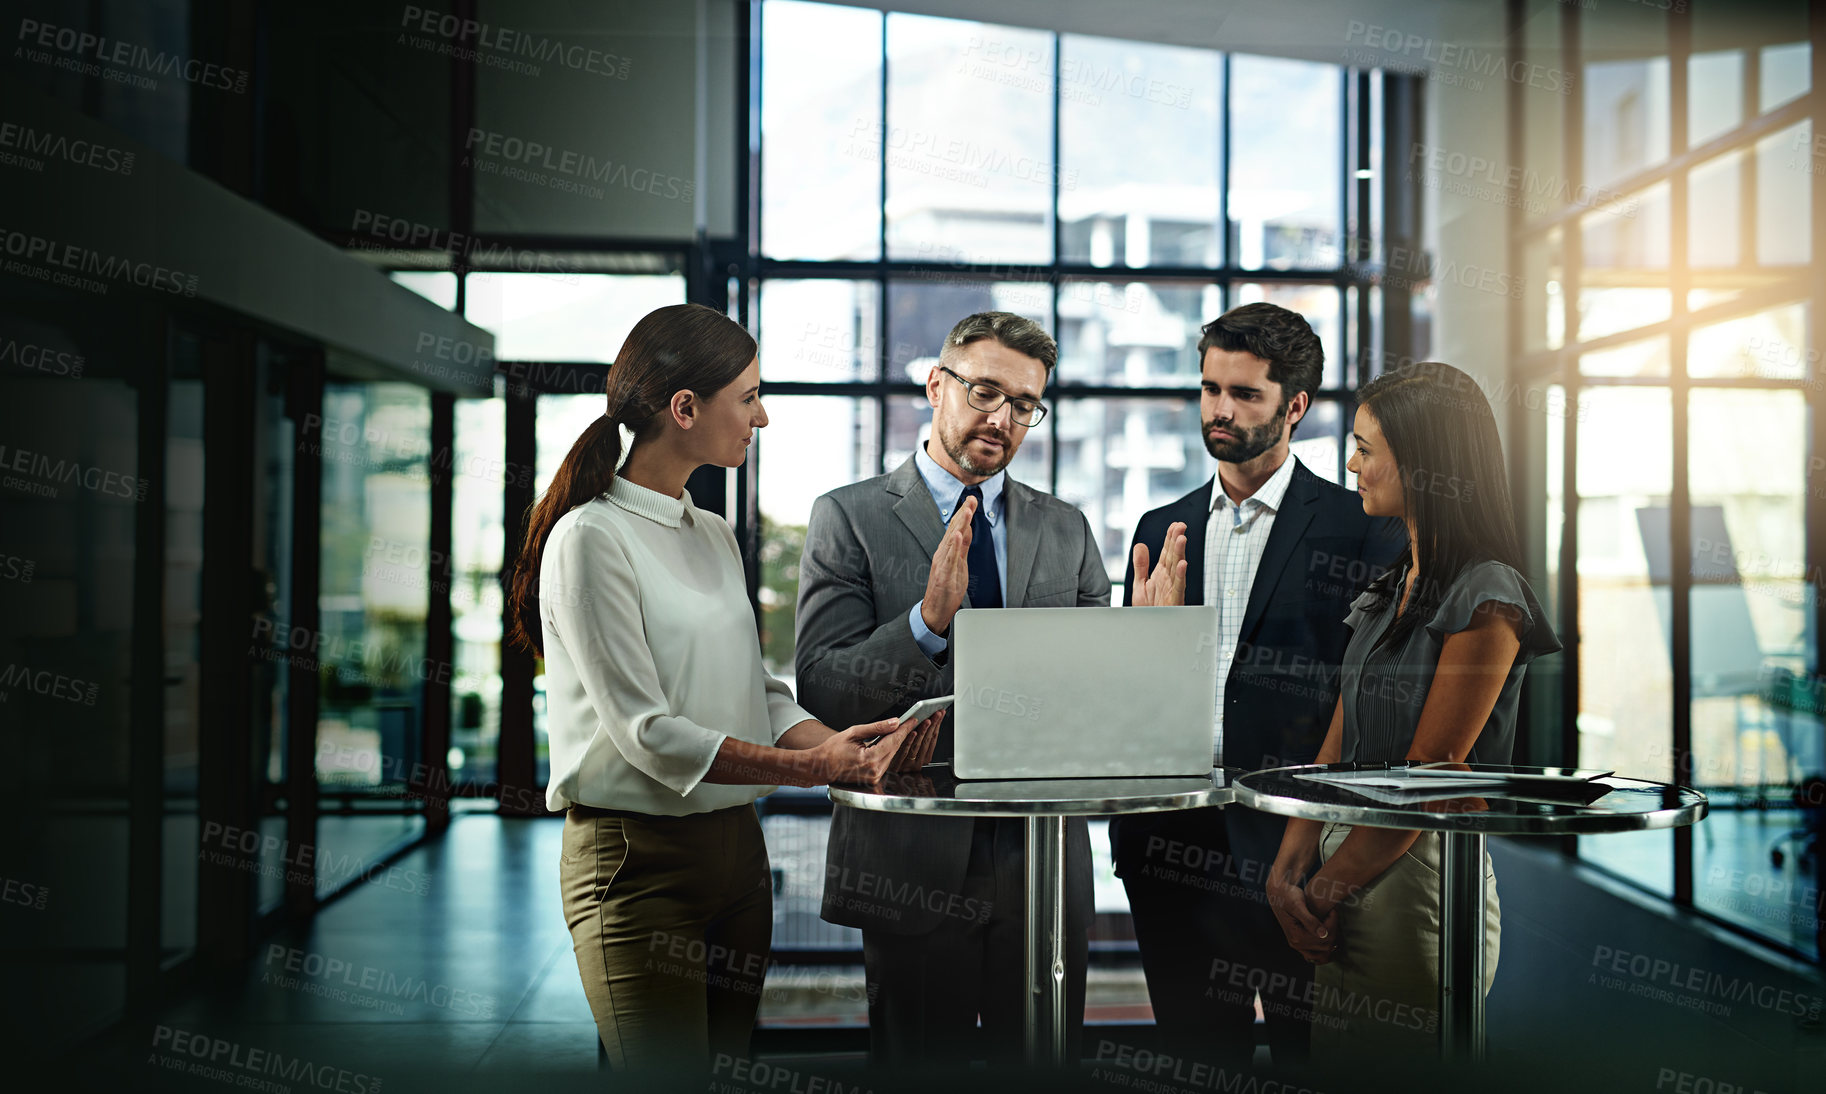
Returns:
(1521, 473)
(1058, 232)
(1572, 154)
(749, 28)
(1225, 244)
(1815, 528)
(882, 379)
(881, 255)
(882, 355)
(1346, 189)
(1058, 248)
(1347, 237)
(1357, 173)
(1680, 504)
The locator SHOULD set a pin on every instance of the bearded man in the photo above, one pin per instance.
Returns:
(1281, 553)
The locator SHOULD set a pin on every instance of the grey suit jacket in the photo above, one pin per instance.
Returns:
(867, 554)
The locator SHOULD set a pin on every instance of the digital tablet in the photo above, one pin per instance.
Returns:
(918, 712)
(926, 708)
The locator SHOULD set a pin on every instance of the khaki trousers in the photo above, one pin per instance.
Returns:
(1379, 997)
(671, 920)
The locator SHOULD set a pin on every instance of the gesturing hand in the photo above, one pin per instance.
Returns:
(1165, 585)
(916, 747)
(949, 578)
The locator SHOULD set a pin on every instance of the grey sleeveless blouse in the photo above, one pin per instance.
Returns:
(1384, 691)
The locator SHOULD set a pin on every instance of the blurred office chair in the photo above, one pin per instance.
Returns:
(1727, 660)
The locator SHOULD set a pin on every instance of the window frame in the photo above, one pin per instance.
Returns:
(1561, 366)
(1364, 335)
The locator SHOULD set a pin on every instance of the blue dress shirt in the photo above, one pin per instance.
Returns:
(946, 491)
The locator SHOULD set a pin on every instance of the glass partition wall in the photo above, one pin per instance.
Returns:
(1668, 308)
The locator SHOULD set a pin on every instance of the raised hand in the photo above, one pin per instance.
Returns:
(1165, 584)
(949, 579)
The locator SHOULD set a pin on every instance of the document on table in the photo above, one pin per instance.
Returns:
(1402, 785)
(1403, 779)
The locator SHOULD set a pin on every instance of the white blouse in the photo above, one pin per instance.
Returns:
(651, 656)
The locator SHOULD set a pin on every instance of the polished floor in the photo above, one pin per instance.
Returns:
(460, 976)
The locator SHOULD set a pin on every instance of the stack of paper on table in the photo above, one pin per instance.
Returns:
(1412, 785)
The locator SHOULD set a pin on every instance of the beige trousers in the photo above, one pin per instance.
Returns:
(671, 920)
(1378, 998)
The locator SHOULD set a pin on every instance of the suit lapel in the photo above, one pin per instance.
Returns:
(1023, 540)
(1197, 517)
(1290, 524)
(915, 507)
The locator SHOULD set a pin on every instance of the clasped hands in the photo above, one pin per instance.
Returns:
(1309, 921)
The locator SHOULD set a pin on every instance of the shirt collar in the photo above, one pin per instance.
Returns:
(946, 491)
(1271, 493)
(651, 504)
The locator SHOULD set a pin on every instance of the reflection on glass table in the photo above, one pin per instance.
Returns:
(1045, 803)
(1627, 805)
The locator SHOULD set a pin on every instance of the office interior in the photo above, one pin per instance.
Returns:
(301, 304)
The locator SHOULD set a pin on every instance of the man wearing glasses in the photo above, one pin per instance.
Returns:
(887, 564)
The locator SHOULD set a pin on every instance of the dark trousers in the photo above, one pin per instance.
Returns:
(927, 991)
(1209, 944)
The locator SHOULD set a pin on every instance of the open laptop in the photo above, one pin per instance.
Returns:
(1083, 692)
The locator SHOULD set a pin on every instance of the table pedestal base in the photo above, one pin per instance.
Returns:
(1461, 946)
(1045, 942)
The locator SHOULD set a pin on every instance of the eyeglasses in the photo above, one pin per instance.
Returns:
(990, 399)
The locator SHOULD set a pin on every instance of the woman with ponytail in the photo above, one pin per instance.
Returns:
(1432, 672)
(665, 726)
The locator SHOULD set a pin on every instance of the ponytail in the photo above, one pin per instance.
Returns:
(672, 349)
(587, 472)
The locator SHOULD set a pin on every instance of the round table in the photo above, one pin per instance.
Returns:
(1044, 803)
(1465, 818)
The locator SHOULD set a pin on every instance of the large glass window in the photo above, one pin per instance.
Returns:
(1133, 334)
(1137, 235)
(968, 141)
(820, 330)
(1119, 458)
(812, 444)
(821, 126)
(1695, 598)
(1284, 204)
(1140, 155)
(183, 644)
(564, 317)
(373, 596)
(269, 656)
(478, 537)
(963, 129)
(560, 420)
(376, 523)
(1625, 478)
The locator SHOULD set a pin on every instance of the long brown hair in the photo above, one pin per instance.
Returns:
(1441, 431)
(672, 349)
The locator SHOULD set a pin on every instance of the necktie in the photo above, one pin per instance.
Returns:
(985, 579)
